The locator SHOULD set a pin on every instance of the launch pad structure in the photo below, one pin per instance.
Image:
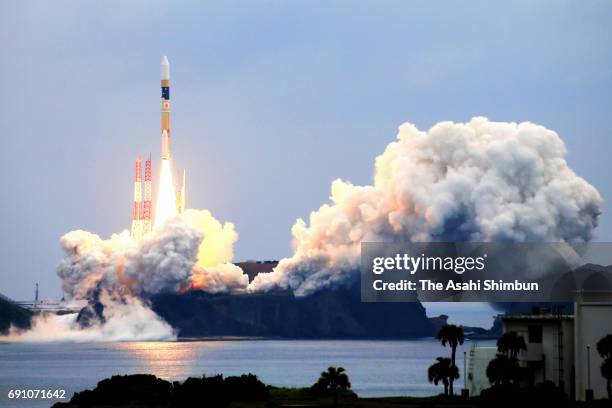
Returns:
(142, 207)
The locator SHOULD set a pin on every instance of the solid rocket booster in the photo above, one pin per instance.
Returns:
(137, 231)
(147, 224)
(165, 108)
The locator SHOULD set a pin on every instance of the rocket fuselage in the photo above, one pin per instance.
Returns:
(165, 108)
(165, 205)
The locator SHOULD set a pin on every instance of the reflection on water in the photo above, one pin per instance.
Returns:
(376, 368)
(171, 360)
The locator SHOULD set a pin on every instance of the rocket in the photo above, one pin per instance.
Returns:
(165, 108)
(168, 203)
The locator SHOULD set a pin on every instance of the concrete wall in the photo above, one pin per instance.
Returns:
(592, 322)
(478, 360)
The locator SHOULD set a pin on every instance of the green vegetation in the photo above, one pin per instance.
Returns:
(604, 348)
(510, 344)
(443, 372)
(145, 390)
(11, 314)
(504, 369)
(333, 381)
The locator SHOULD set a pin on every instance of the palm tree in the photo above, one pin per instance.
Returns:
(453, 336)
(604, 348)
(502, 370)
(442, 371)
(511, 344)
(334, 379)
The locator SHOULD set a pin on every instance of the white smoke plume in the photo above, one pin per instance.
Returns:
(477, 181)
(125, 320)
(190, 251)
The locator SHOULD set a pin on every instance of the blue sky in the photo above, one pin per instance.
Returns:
(272, 101)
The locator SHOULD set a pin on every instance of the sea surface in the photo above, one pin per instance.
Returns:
(375, 367)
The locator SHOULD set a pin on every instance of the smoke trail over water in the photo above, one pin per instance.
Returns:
(189, 251)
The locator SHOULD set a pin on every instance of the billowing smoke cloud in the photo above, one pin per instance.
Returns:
(477, 181)
(190, 251)
(213, 271)
(126, 319)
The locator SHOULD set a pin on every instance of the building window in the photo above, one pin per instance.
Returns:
(534, 333)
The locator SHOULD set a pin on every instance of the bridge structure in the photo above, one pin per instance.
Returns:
(44, 305)
(48, 305)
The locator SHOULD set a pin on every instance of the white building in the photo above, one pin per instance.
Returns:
(550, 347)
(559, 347)
(478, 358)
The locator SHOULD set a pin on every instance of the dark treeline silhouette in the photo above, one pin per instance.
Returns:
(13, 315)
(145, 390)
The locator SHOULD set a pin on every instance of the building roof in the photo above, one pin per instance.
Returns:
(538, 317)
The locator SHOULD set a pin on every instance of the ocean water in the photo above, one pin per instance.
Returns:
(376, 368)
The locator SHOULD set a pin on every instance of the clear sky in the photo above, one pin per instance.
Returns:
(272, 100)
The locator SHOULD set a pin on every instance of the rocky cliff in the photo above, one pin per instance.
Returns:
(325, 314)
(13, 315)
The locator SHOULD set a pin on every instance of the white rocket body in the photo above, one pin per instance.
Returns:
(165, 108)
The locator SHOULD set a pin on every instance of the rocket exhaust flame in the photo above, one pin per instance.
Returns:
(166, 198)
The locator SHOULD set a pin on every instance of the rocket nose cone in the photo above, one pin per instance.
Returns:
(165, 68)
